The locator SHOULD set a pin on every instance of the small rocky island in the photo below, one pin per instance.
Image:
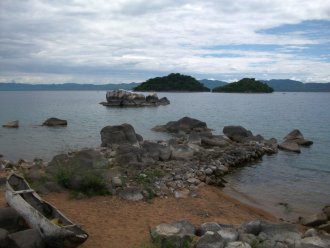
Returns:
(175, 82)
(123, 98)
(245, 85)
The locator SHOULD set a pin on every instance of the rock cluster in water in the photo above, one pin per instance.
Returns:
(123, 98)
(252, 234)
(135, 169)
(293, 141)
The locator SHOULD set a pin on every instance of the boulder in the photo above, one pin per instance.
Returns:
(297, 137)
(210, 240)
(27, 239)
(229, 234)
(237, 133)
(185, 125)
(113, 136)
(131, 194)
(325, 227)
(178, 234)
(208, 226)
(314, 219)
(315, 242)
(83, 171)
(11, 124)
(11, 220)
(127, 154)
(252, 227)
(5, 242)
(290, 146)
(52, 122)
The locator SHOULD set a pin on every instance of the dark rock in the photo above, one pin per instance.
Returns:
(186, 125)
(314, 220)
(252, 227)
(127, 154)
(83, 170)
(131, 194)
(27, 239)
(326, 210)
(185, 227)
(325, 227)
(293, 135)
(5, 242)
(290, 146)
(113, 136)
(11, 124)
(210, 240)
(11, 220)
(297, 137)
(237, 133)
(51, 122)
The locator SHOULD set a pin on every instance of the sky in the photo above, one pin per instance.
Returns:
(122, 41)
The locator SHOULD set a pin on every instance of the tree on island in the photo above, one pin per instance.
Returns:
(172, 82)
(245, 85)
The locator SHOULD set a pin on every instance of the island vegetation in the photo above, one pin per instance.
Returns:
(172, 82)
(245, 85)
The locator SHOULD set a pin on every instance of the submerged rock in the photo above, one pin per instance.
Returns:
(11, 124)
(52, 122)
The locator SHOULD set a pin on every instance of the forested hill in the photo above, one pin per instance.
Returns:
(245, 85)
(173, 82)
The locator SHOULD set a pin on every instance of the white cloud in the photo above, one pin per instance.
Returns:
(126, 40)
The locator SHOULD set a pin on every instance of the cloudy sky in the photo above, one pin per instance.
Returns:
(112, 41)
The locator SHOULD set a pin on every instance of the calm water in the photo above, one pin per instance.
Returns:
(302, 180)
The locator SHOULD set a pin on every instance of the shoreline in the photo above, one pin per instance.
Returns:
(113, 222)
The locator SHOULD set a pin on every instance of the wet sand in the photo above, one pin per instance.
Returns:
(115, 223)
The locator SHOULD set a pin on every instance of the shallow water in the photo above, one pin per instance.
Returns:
(301, 180)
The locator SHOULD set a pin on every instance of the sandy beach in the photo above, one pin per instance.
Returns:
(116, 223)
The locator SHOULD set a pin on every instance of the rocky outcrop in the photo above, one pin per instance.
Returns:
(293, 140)
(257, 234)
(123, 98)
(113, 136)
(53, 122)
(184, 125)
(11, 124)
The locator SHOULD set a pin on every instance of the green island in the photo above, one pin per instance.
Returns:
(172, 82)
(245, 85)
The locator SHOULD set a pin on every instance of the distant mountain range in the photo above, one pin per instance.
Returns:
(280, 85)
(67, 86)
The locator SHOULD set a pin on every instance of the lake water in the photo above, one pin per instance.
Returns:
(301, 180)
